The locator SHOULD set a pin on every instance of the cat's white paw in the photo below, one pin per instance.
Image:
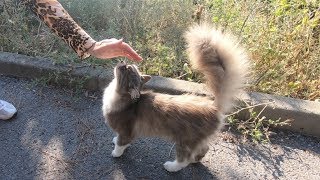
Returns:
(118, 150)
(114, 140)
(116, 153)
(174, 166)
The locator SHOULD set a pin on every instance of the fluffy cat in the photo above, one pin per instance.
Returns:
(187, 120)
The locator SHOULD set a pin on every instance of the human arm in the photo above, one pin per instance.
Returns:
(61, 23)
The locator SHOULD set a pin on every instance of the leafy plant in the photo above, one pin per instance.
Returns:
(255, 126)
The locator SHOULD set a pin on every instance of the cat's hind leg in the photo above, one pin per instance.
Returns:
(182, 160)
(200, 153)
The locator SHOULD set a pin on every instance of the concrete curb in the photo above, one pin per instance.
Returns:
(305, 114)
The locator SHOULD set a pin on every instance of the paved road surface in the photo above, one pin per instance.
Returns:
(59, 134)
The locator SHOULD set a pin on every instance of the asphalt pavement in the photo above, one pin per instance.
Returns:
(61, 134)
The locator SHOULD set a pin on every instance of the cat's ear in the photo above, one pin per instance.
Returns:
(145, 78)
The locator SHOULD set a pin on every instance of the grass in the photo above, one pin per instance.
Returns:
(252, 125)
(282, 37)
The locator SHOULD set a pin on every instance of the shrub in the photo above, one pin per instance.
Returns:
(282, 37)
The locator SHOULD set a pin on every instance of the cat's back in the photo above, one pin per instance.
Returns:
(151, 102)
(158, 99)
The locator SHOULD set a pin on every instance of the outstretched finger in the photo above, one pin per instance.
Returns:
(128, 56)
(112, 40)
(130, 53)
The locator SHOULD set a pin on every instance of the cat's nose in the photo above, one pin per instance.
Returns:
(123, 62)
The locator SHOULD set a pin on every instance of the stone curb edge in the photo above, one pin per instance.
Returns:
(305, 114)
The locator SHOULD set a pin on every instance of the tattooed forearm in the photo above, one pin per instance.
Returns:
(61, 23)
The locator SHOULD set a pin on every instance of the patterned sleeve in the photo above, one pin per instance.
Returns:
(61, 23)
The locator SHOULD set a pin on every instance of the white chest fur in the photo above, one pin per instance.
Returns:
(110, 96)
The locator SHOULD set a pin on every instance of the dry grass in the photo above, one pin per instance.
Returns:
(282, 37)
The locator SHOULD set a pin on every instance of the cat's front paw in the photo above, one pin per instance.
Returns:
(114, 140)
(172, 166)
(116, 153)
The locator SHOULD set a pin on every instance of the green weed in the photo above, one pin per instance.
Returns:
(255, 126)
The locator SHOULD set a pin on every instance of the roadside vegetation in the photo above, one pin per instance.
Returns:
(282, 38)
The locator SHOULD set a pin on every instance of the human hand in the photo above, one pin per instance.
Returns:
(110, 48)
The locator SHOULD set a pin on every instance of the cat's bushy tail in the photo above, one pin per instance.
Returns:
(224, 64)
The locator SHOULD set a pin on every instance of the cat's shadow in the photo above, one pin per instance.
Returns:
(144, 159)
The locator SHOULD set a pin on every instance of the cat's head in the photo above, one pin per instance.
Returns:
(129, 79)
